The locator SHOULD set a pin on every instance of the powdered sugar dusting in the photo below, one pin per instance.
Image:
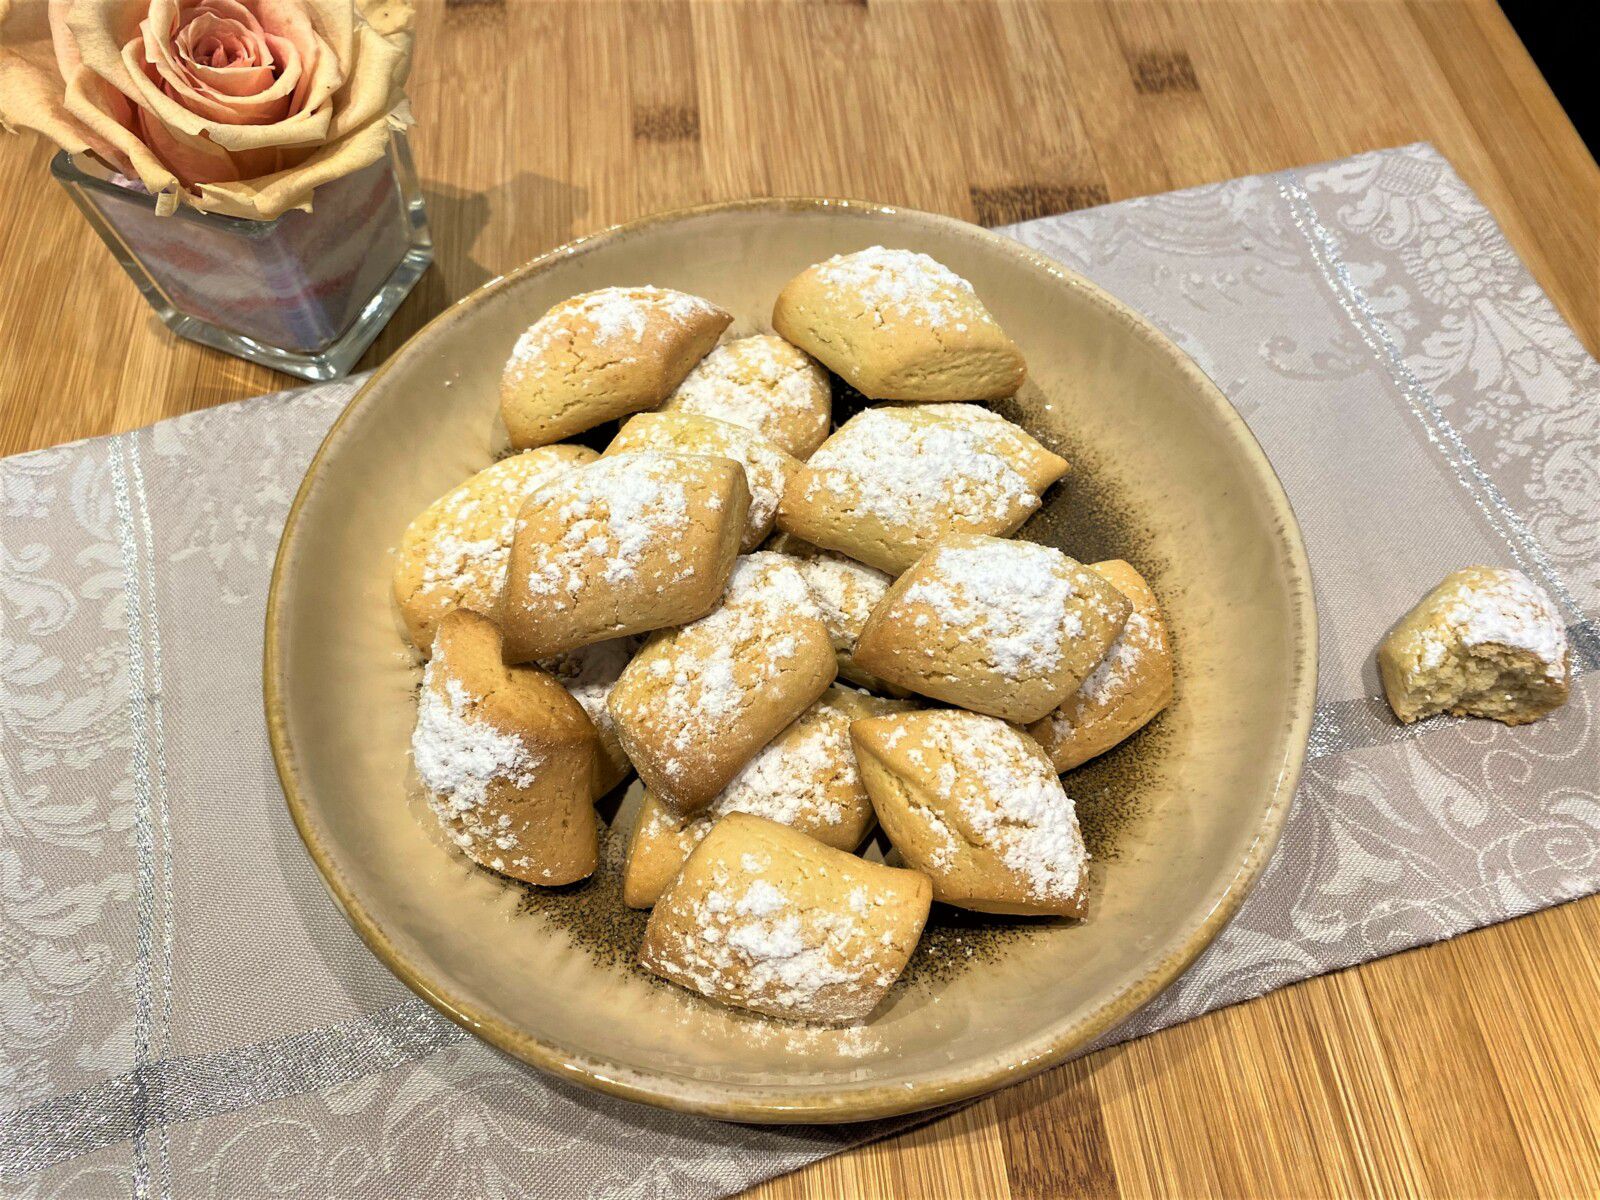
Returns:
(458, 755)
(1140, 638)
(712, 667)
(910, 467)
(613, 511)
(1004, 794)
(797, 779)
(1509, 609)
(766, 468)
(846, 592)
(899, 283)
(615, 319)
(590, 673)
(757, 382)
(1017, 597)
(751, 942)
(465, 552)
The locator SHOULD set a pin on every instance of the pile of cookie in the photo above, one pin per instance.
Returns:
(791, 632)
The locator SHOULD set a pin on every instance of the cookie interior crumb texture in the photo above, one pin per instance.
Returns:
(1487, 642)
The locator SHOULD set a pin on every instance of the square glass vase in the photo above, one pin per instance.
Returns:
(305, 293)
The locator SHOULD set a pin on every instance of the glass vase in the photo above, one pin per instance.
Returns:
(304, 293)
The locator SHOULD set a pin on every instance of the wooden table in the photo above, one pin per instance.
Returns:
(1470, 1068)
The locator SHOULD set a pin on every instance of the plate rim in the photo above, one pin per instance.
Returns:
(779, 1103)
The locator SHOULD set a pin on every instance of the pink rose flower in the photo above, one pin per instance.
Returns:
(239, 106)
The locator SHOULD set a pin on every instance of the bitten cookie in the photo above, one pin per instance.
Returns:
(897, 325)
(1131, 684)
(628, 544)
(766, 468)
(600, 356)
(507, 758)
(454, 554)
(765, 918)
(846, 591)
(1007, 628)
(974, 804)
(804, 778)
(765, 384)
(892, 481)
(590, 673)
(696, 703)
(1487, 642)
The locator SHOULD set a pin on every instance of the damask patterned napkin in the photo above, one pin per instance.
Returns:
(183, 1012)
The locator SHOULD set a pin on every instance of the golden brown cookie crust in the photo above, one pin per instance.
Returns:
(765, 918)
(697, 702)
(804, 778)
(454, 554)
(506, 756)
(898, 325)
(974, 804)
(1487, 642)
(1127, 688)
(764, 384)
(1005, 628)
(626, 545)
(600, 356)
(766, 467)
(893, 480)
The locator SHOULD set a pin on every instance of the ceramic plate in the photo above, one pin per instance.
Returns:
(1181, 819)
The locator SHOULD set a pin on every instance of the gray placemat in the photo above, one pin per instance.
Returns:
(182, 1010)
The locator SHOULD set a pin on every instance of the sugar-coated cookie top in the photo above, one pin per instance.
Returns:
(613, 511)
(993, 782)
(766, 468)
(846, 592)
(1020, 599)
(901, 283)
(1502, 606)
(755, 382)
(486, 505)
(910, 462)
(776, 946)
(458, 754)
(614, 319)
(713, 666)
(798, 778)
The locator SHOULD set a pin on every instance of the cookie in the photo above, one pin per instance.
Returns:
(804, 778)
(600, 356)
(454, 554)
(589, 673)
(696, 703)
(974, 804)
(765, 918)
(506, 756)
(631, 543)
(846, 591)
(897, 325)
(765, 384)
(892, 481)
(766, 468)
(1129, 686)
(1006, 628)
(1487, 642)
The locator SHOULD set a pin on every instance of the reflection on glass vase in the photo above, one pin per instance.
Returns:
(305, 293)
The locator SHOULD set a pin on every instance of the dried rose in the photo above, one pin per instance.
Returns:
(235, 106)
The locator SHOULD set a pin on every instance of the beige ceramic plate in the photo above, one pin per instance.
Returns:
(1182, 818)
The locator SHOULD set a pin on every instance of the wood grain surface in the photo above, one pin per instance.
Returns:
(1471, 1068)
